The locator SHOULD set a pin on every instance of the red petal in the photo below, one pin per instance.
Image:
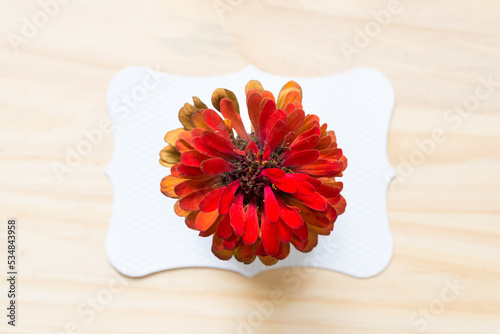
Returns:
(267, 153)
(279, 178)
(205, 220)
(274, 173)
(289, 215)
(287, 184)
(271, 205)
(237, 214)
(267, 110)
(187, 187)
(340, 206)
(299, 244)
(251, 224)
(276, 134)
(314, 130)
(196, 132)
(252, 147)
(227, 197)
(216, 123)
(343, 160)
(278, 115)
(301, 158)
(188, 172)
(303, 187)
(270, 239)
(310, 216)
(289, 138)
(253, 103)
(191, 220)
(231, 242)
(291, 107)
(193, 158)
(314, 201)
(205, 149)
(304, 144)
(228, 111)
(324, 143)
(320, 167)
(331, 153)
(182, 146)
(211, 201)
(284, 231)
(174, 172)
(224, 230)
(295, 120)
(192, 201)
(328, 191)
(302, 232)
(186, 136)
(219, 143)
(215, 166)
(315, 183)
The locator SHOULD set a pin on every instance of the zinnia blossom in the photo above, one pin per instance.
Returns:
(255, 193)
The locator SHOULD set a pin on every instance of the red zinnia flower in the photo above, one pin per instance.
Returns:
(255, 193)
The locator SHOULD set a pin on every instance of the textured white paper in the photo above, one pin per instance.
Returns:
(146, 236)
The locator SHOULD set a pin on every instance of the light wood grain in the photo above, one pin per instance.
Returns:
(445, 216)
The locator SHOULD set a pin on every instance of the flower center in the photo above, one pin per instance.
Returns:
(249, 171)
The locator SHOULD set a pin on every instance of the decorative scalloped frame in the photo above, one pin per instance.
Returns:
(145, 235)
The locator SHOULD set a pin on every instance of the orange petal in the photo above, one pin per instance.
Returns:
(188, 186)
(168, 184)
(253, 86)
(192, 201)
(198, 120)
(185, 114)
(169, 155)
(229, 111)
(245, 253)
(205, 220)
(253, 103)
(220, 94)
(311, 243)
(180, 211)
(268, 260)
(291, 92)
(191, 219)
(172, 136)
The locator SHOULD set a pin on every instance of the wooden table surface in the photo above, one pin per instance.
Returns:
(443, 59)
